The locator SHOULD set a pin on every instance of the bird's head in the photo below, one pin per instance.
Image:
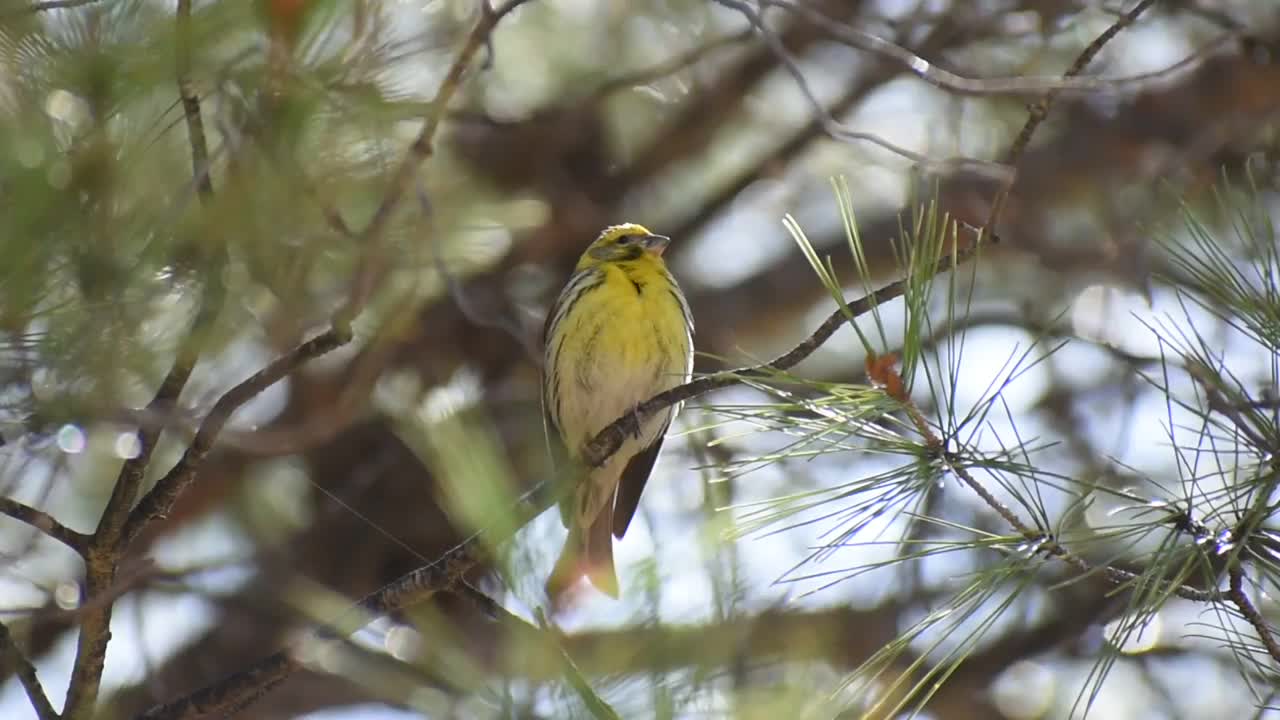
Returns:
(624, 243)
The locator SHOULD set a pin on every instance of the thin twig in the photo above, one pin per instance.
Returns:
(1238, 597)
(423, 147)
(46, 5)
(1013, 85)
(528, 341)
(1038, 111)
(160, 499)
(45, 523)
(668, 67)
(607, 441)
(191, 104)
(17, 662)
(230, 694)
(837, 130)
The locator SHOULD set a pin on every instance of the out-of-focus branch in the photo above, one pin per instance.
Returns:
(45, 523)
(423, 146)
(964, 694)
(668, 67)
(1038, 111)
(19, 664)
(157, 502)
(789, 149)
(248, 684)
(837, 130)
(701, 115)
(46, 5)
(1069, 82)
(110, 541)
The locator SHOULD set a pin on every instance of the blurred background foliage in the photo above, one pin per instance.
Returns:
(1108, 369)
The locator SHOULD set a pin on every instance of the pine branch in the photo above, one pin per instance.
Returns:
(608, 440)
(446, 572)
(1238, 597)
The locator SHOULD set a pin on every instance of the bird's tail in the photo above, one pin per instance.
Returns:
(586, 554)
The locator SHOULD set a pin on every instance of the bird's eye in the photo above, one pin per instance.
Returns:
(626, 239)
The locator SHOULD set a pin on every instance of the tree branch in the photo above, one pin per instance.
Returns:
(1014, 85)
(445, 573)
(26, 672)
(45, 523)
(608, 440)
(110, 541)
(1038, 111)
(1238, 597)
(837, 130)
(241, 689)
(46, 5)
(422, 148)
(160, 499)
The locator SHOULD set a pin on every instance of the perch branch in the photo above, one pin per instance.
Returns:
(443, 574)
(607, 441)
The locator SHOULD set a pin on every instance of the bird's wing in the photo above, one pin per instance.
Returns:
(631, 484)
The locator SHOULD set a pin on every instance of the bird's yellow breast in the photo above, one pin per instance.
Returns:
(634, 343)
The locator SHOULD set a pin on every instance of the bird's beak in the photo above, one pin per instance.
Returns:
(656, 243)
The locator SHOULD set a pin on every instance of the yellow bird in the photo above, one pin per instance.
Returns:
(619, 333)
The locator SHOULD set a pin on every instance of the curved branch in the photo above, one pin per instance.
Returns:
(26, 673)
(1068, 82)
(1238, 597)
(423, 147)
(160, 498)
(1038, 111)
(45, 523)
